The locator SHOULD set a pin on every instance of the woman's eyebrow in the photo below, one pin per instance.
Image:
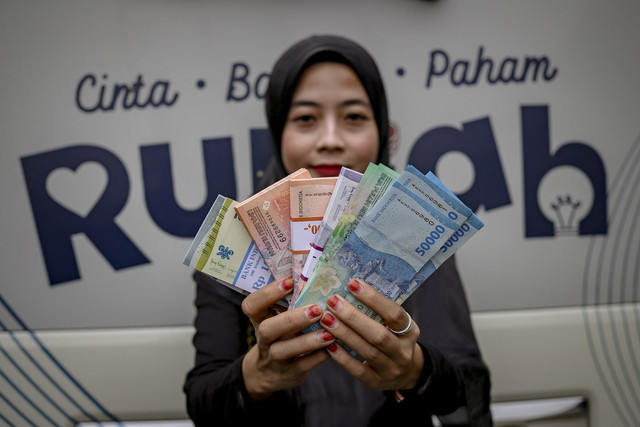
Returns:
(304, 103)
(346, 103)
(356, 101)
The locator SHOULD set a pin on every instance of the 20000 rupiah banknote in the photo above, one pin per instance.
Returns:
(375, 181)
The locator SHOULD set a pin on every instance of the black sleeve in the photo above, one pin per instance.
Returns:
(214, 387)
(456, 382)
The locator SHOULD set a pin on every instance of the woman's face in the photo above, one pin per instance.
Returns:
(330, 123)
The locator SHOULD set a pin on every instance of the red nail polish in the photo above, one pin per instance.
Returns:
(328, 320)
(326, 336)
(286, 284)
(355, 286)
(313, 311)
(334, 302)
(333, 347)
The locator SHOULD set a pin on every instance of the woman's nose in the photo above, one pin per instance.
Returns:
(331, 137)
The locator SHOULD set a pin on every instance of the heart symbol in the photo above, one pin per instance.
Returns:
(78, 190)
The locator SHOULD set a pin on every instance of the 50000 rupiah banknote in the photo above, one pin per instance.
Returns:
(224, 250)
(429, 188)
(467, 230)
(443, 202)
(385, 250)
(446, 209)
(309, 198)
(266, 217)
(434, 192)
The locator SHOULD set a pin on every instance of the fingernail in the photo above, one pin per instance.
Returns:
(325, 336)
(334, 302)
(355, 286)
(333, 347)
(286, 284)
(328, 320)
(313, 311)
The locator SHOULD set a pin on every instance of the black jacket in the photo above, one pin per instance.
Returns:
(456, 378)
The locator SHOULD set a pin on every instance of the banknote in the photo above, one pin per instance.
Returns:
(380, 251)
(393, 255)
(440, 197)
(344, 189)
(375, 181)
(201, 240)
(433, 190)
(266, 217)
(223, 249)
(468, 229)
(309, 198)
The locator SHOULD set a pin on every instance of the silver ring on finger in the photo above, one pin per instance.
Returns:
(406, 329)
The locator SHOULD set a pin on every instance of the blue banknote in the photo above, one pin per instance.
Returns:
(387, 248)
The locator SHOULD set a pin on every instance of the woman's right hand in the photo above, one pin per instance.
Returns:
(282, 357)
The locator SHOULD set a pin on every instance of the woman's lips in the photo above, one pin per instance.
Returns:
(328, 170)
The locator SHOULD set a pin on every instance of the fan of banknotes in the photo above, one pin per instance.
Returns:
(390, 229)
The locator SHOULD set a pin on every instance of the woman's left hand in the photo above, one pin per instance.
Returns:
(391, 361)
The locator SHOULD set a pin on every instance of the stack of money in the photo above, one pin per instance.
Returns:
(223, 249)
(309, 200)
(343, 191)
(390, 229)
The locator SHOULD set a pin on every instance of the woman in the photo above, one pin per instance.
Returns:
(326, 108)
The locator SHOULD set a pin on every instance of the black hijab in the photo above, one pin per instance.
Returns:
(286, 74)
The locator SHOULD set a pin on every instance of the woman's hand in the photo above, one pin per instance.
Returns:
(282, 358)
(391, 361)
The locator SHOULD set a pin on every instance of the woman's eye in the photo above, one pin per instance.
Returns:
(305, 118)
(355, 117)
